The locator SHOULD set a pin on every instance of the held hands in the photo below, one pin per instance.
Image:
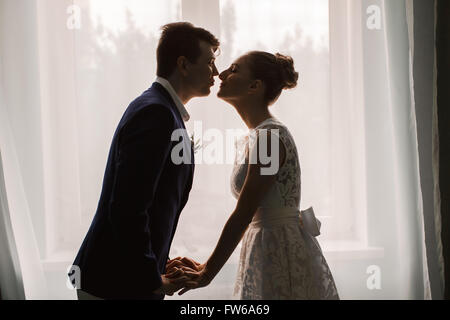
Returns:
(175, 276)
(170, 286)
(199, 279)
(186, 274)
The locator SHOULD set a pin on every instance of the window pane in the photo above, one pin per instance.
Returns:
(296, 28)
(115, 61)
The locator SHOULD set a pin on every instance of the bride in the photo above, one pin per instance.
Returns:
(279, 258)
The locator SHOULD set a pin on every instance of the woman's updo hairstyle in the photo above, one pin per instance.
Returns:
(275, 71)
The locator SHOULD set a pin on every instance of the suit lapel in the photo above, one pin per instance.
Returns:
(169, 99)
(172, 104)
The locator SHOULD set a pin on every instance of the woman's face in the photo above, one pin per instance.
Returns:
(236, 80)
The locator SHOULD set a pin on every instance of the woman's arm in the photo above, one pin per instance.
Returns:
(255, 188)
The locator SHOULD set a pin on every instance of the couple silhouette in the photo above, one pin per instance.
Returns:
(125, 254)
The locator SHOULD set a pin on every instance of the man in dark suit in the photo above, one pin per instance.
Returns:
(145, 187)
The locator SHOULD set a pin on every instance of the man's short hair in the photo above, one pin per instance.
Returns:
(180, 39)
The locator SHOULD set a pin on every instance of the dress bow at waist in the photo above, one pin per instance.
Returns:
(275, 216)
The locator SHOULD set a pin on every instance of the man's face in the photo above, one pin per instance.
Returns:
(201, 74)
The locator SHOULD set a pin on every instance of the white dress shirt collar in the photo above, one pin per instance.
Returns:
(166, 84)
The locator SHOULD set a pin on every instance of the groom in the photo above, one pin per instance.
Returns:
(125, 251)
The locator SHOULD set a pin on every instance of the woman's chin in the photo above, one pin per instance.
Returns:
(224, 97)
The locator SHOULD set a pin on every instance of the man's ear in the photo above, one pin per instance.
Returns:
(182, 65)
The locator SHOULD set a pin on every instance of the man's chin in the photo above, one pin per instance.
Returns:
(204, 93)
(223, 97)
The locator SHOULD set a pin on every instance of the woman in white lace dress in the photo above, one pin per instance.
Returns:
(279, 258)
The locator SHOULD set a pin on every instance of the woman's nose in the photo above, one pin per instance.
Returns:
(222, 75)
(215, 71)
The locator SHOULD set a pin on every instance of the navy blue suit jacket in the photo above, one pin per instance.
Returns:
(126, 248)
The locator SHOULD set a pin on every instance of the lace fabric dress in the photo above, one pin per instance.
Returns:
(279, 259)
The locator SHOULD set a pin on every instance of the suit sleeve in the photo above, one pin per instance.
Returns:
(144, 148)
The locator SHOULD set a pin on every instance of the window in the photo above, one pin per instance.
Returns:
(297, 28)
(111, 59)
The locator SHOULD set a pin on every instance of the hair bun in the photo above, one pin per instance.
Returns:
(288, 74)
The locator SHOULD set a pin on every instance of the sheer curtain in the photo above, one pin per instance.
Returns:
(21, 272)
(70, 68)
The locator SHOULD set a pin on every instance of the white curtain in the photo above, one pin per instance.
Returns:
(21, 272)
(70, 68)
(21, 275)
(11, 282)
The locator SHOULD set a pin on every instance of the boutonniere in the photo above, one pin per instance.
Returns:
(195, 144)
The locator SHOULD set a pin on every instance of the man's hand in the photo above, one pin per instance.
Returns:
(189, 269)
(171, 285)
(176, 275)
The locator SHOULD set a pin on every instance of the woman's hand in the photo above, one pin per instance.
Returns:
(184, 264)
(199, 279)
(178, 272)
(193, 273)
(179, 266)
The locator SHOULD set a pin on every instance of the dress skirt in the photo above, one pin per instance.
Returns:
(280, 260)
